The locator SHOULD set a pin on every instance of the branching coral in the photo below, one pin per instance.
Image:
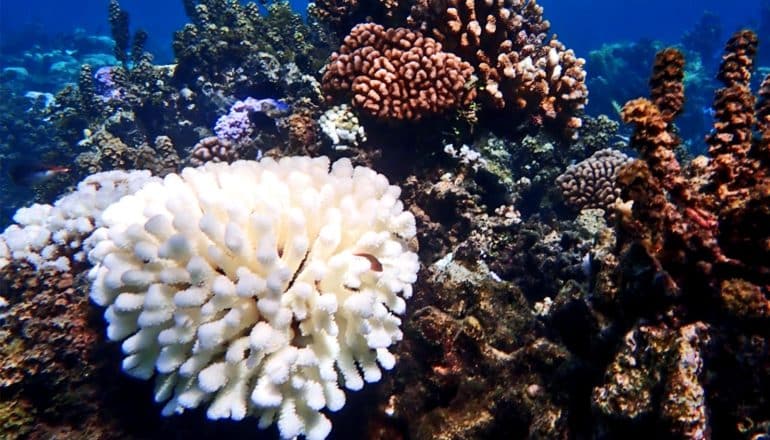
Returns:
(259, 287)
(506, 41)
(397, 74)
(226, 36)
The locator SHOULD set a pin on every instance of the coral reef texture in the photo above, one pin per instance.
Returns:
(251, 286)
(245, 237)
(506, 41)
(694, 230)
(397, 74)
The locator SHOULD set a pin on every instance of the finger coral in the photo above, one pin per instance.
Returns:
(397, 74)
(258, 287)
(506, 41)
(55, 236)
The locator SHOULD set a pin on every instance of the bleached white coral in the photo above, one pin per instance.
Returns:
(257, 287)
(48, 236)
(341, 126)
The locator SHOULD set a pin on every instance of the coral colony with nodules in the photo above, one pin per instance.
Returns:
(384, 219)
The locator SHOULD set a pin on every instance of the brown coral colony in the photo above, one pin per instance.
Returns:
(397, 74)
(405, 74)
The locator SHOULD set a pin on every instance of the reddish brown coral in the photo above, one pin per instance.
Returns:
(506, 41)
(703, 234)
(702, 231)
(730, 145)
(666, 83)
(397, 74)
(763, 119)
(738, 60)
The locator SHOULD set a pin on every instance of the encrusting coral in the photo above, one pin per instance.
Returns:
(397, 74)
(284, 283)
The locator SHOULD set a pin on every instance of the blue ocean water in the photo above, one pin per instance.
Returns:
(582, 25)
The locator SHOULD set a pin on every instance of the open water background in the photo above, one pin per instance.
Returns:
(581, 25)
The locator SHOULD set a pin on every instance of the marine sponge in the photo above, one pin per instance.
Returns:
(250, 286)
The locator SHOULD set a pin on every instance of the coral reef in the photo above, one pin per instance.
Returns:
(686, 249)
(592, 182)
(55, 236)
(519, 69)
(254, 285)
(397, 74)
(342, 127)
(267, 288)
(213, 149)
(47, 329)
(226, 44)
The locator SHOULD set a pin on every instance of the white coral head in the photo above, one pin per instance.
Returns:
(257, 288)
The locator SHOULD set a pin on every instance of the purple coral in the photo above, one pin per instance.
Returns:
(105, 86)
(236, 126)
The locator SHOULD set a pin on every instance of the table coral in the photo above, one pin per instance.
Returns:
(397, 74)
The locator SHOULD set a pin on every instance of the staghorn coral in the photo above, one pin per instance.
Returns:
(506, 41)
(592, 182)
(397, 74)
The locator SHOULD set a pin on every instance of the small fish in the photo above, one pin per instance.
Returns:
(30, 174)
(272, 107)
